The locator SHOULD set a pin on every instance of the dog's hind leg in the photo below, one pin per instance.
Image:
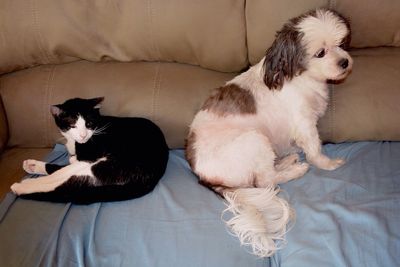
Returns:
(293, 171)
(287, 161)
(287, 169)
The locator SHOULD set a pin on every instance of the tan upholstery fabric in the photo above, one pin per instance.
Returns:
(207, 33)
(11, 165)
(374, 23)
(167, 93)
(265, 17)
(3, 127)
(367, 105)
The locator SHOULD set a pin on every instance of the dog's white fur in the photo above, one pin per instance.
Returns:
(234, 153)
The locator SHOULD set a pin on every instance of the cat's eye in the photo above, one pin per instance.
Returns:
(320, 53)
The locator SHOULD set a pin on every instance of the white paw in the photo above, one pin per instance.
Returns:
(24, 187)
(302, 168)
(287, 161)
(34, 166)
(290, 159)
(293, 158)
(333, 164)
(17, 188)
(72, 159)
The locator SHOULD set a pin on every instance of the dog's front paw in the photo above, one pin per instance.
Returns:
(32, 166)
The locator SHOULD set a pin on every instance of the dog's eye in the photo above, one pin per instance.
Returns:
(320, 53)
(343, 45)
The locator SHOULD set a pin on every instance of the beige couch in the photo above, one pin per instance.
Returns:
(159, 59)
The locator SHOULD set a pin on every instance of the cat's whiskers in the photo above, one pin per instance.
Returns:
(98, 131)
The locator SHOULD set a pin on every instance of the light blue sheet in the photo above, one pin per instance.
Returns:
(347, 217)
(350, 216)
(178, 224)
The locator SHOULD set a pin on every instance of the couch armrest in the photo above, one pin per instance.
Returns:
(3, 127)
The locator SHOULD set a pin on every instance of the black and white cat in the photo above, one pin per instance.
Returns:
(111, 158)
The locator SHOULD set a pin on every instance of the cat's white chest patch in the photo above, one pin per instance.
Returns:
(70, 145)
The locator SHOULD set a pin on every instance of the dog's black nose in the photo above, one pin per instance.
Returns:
(344, 63)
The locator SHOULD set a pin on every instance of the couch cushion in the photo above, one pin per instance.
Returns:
(374, 23)
(11, 165)
(167, 93)
(366, 106)
(207, 33)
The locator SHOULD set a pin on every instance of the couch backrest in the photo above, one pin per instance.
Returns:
(207, 33)
(374, 23)
(223, 35)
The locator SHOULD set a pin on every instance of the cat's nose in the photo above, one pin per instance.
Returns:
(83, 134)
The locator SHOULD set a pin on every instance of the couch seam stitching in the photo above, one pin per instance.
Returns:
(246, 39)
(39, 37)
(152, 33)
(333, 112)
(332, 4)
(156, 88)
(332, 122)
(47, 96)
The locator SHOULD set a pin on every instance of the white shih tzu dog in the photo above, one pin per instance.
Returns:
(244, 140)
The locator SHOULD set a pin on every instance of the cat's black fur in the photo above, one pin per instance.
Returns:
(136, 153)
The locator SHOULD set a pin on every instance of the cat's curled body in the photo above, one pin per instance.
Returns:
(112, 158)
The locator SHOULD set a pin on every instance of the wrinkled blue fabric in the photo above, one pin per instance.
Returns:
(346, 217)
(350, 216)
(178, 224)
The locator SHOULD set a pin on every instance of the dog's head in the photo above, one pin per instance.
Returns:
(313, 44)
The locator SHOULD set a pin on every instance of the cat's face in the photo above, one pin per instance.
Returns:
(77, 118)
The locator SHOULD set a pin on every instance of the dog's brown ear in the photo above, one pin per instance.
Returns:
(285, 58)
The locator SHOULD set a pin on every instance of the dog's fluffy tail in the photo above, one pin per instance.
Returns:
(260, 218)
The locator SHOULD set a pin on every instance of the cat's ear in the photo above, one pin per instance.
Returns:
(55, 111)
(96, 102)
